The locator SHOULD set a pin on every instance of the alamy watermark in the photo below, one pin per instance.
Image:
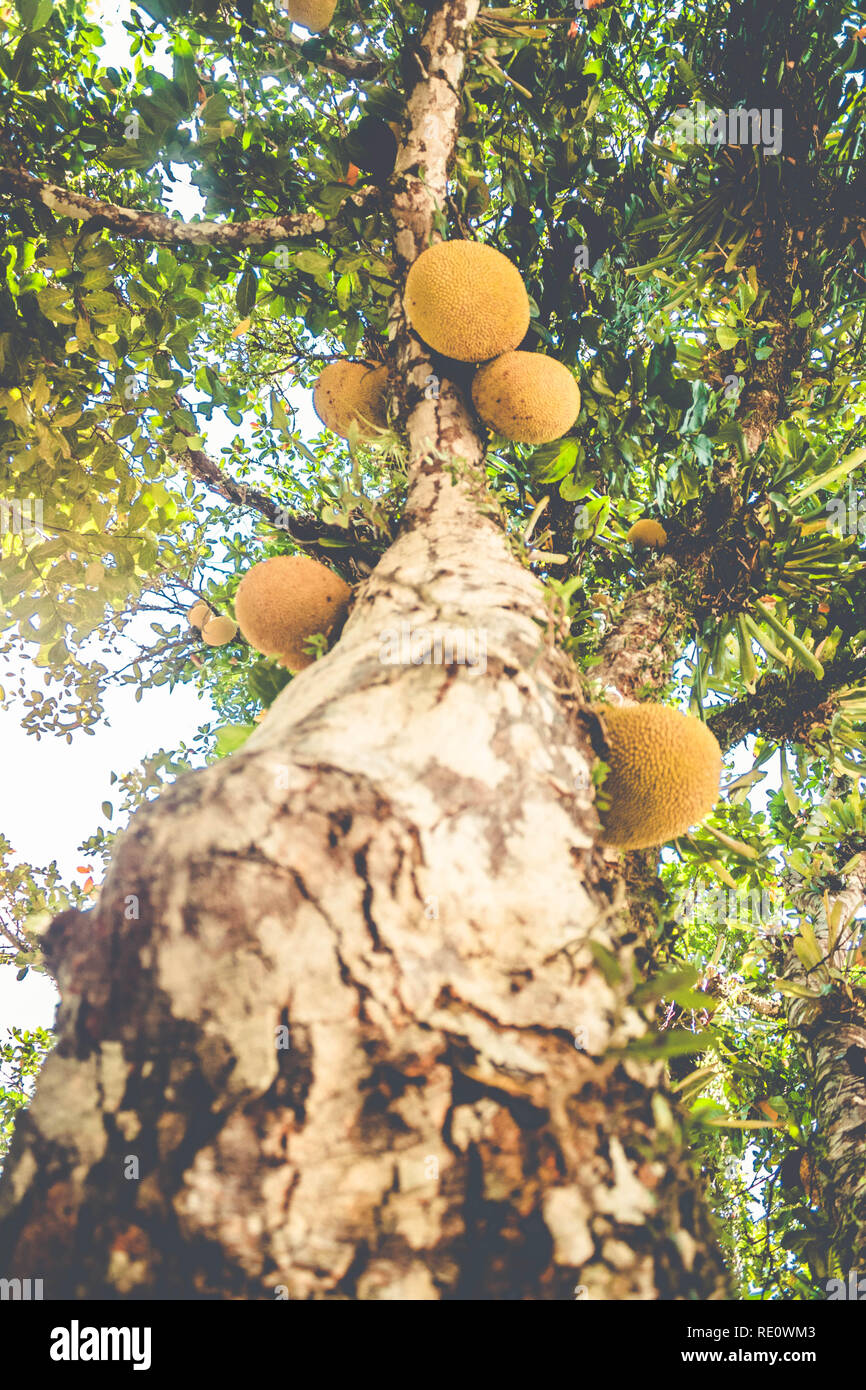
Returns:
(21, 516)
(739, 126)
(854, 1289)
(847, 517)
(77, 1343)
(721, 906)
(433, 646)
(20, 1290)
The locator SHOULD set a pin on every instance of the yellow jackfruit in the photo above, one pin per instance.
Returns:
(466, 300)
(649, 533)
(526, 397)
(315, 15)
(349, 393)
(283, 601)
(664, 774)
(217, 631)
(197, 615)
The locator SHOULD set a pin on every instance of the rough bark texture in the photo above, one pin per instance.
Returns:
(790, 708)
(833, 1027)
(139, 224)
(399, 870)
(640, 650)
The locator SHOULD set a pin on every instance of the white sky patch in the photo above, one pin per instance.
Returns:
(51, 792)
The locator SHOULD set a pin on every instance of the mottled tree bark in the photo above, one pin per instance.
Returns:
(141, 225)
(639, 652)
(349, 1019)
(833, 1027)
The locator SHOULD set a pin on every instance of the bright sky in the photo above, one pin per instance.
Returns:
(51, 792)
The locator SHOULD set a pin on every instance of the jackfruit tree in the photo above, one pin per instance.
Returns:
(502, 938)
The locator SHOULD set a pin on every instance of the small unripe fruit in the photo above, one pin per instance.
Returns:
(217, 631)
(197, 615)
(648, 533)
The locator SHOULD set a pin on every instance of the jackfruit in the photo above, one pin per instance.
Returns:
(664, 774)
(282, 601)
(526, 397)
(349, 393)
(315, 15)
(217, 631)
(466, 300)
(197, 615)
(649, 533)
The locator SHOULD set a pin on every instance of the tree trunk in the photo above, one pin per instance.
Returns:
(398, 868)
(345, 1021)
(833, 1026)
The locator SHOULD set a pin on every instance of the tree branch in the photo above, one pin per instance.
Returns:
(641, 647)
(356, 68)
(832, 1025)
(785, 708)
(169, 231)
(304, 527)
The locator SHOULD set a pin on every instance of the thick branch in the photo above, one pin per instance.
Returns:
(359, 69)
(168, 231)
(786, 708)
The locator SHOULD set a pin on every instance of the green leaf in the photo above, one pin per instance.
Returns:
(547, 469)
(791, 798)
(606, 962)
(830, 478)
(801, 652)
(184, 73)
(245, 296)
(231, 737)
(35, 13)
(313, 262)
